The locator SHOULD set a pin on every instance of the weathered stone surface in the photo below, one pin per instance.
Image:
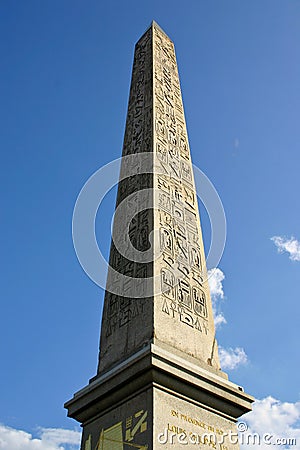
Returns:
(178, 422)
(176, 308)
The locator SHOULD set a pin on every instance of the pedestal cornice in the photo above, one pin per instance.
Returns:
(154, 366)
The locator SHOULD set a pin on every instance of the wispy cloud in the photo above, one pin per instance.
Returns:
(231, 358)
(47, 439)
(290, 245)
(215, 279)
(275, 418)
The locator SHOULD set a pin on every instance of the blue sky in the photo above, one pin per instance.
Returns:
(65, 74)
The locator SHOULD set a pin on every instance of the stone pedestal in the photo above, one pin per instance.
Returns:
(159, 400)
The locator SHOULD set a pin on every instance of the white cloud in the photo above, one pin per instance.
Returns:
(291, 246)
(232, 358)
(49, 439)
(215, 278)
(219, 319)
(272, 419)
(229, 358)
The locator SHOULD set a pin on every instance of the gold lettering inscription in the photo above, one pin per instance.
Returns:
(195, 421)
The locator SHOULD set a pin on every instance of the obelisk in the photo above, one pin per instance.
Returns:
(159, 378)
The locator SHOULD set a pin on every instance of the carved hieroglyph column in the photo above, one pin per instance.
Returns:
(159, 384)
(172, 303)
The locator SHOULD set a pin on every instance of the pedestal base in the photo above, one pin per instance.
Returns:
(158, 400)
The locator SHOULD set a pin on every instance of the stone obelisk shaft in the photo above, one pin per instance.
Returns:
(171, 304)
(159, 384)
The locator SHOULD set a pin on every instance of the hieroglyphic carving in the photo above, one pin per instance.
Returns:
(120, 310)
(179, 232)
(167, 283)
(166, 241)
(172, 286)
(185, 314)
(199, 302)
(139, 115)
(155, 123)
(184, 294)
